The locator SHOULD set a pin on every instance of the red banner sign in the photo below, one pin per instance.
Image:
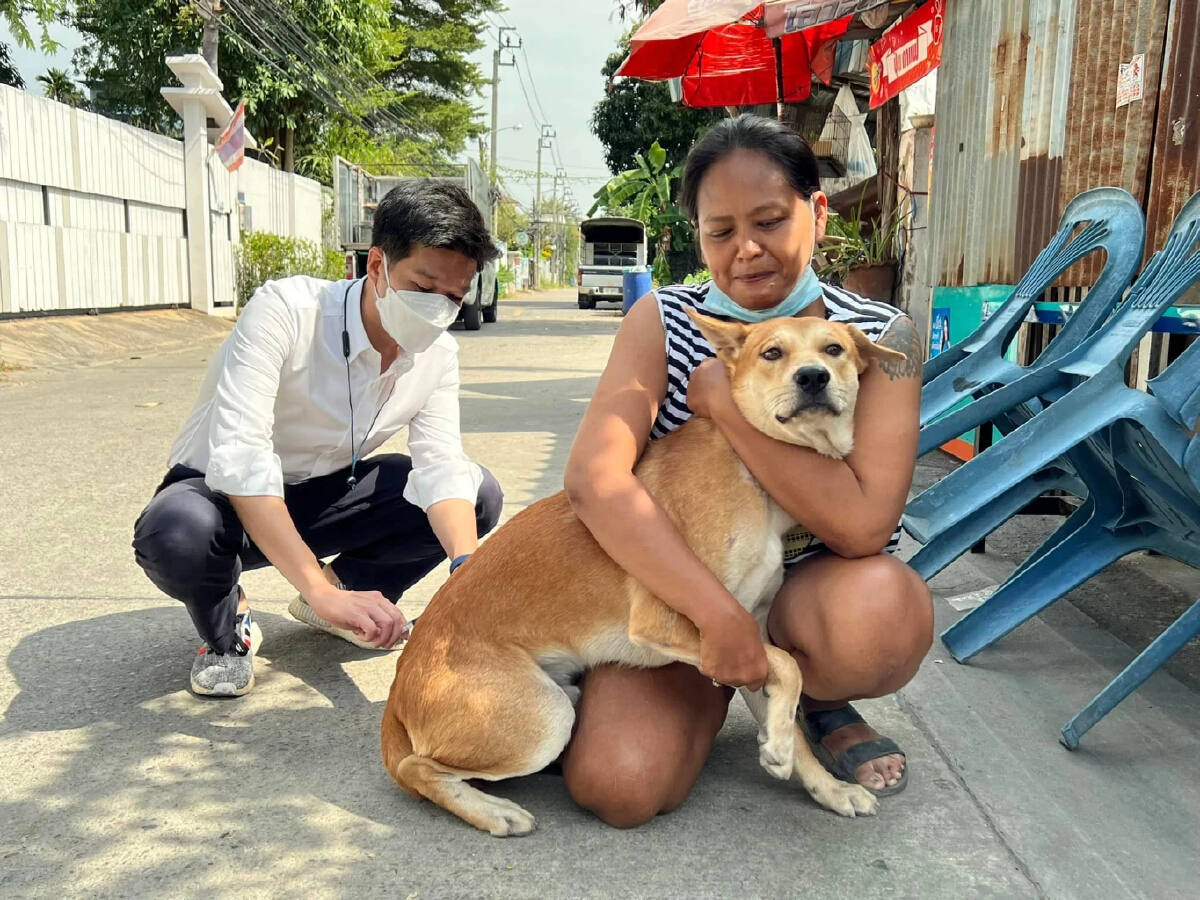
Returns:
(906, 53)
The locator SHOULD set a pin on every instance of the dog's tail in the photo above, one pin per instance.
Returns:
(397, 747)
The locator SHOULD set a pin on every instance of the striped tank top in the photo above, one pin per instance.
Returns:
(687, 348)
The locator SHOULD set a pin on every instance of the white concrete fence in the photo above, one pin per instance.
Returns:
(92, 213)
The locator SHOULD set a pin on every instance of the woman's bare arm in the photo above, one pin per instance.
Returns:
(853, 506)
(626, 521)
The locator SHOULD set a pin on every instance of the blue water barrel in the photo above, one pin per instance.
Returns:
(635, 282)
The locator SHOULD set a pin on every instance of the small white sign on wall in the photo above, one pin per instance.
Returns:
(1131, 80)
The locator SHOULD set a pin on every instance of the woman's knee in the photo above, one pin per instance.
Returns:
(866, 622)
(622, 785)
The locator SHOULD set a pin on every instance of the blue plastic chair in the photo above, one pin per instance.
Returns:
(1090, 375)
(1143, 474)
(1104, 218)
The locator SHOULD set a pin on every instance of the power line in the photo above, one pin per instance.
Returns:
(533, 82)
(320, 84)
(316, 90)
(528, 103)
(277, 27)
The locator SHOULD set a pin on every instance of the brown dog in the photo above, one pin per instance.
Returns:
(477, 692)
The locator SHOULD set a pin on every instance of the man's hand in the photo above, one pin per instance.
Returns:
(368, 614)
(708, 389)
(731, 650)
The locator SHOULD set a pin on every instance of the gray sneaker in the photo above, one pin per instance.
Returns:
(228, 674)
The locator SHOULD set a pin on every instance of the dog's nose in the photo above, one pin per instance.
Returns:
(812, 379)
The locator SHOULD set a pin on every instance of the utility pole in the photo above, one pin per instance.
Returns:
(554, 226)
(208, 13)
(543, 143)
(502, 43)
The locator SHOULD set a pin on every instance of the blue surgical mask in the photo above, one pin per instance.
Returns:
(806, 291)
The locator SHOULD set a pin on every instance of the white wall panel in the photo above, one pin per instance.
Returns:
(156, 220)
(91, 168)
(32, 276)
(93, 273)
(21, 202)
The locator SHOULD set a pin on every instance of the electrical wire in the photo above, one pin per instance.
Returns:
(528, 103)
(532, 81)
(290, 42)
(278, 28)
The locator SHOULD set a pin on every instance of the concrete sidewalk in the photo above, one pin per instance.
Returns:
(121, 784)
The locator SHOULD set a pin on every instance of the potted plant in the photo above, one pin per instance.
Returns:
(860, 255)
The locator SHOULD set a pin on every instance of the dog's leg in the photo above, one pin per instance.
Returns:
(844, 799)
(509, 724)
(654, 624)
(449, 790)
(777, 727)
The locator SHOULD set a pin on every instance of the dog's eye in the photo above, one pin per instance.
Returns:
(835, 350)
(772, 353)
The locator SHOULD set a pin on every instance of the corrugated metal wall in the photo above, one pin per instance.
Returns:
(1027, 119)
(1175, 172)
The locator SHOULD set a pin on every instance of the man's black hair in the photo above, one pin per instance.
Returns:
(425, 212)
(782, 146)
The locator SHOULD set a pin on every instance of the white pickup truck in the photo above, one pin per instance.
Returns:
(608, 246)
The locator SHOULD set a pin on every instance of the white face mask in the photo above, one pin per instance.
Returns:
(414, 319)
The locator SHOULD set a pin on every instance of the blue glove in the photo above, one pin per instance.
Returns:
(458, 561)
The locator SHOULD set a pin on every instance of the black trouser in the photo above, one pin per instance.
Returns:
(192, 545)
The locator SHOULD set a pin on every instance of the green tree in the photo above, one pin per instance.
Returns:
(376, 81)
(432, 73)
(8, 70)
(14, 13)
(58, 85)
(282, 73)
(511, 221)
(644, 193)
(633, 113)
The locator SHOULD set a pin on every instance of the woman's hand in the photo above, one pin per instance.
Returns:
(709, 390)
(731, 650)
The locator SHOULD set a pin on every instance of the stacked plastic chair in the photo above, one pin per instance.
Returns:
(959, 383)
(1133, 455)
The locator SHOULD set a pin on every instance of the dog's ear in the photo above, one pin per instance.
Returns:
(726, 337)
(869, 350)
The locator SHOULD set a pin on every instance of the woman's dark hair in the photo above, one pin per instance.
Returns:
(425, 212)
(786, 149)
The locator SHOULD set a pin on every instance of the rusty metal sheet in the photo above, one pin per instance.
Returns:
(1027, 119)
(1175, 172)
(1106, 145)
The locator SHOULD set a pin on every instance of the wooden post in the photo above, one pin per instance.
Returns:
(777, 44)
(887, 138)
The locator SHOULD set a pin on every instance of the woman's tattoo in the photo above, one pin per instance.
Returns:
(902, 336)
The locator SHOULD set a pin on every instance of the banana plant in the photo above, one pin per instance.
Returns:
(644, 193)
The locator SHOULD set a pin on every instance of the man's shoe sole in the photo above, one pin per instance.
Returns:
(302, 612)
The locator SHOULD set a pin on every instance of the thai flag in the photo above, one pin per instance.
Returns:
(231, 147)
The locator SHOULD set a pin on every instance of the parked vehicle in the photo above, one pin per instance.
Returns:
(608, 246)
(356, 195)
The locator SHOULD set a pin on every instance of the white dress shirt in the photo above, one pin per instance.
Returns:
(274, 407)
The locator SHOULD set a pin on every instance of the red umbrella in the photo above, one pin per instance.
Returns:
(722, 54)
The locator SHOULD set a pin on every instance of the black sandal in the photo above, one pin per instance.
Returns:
(821, 723)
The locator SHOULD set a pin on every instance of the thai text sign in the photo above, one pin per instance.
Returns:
(906, 53)
(1131, 80)
(785, 18)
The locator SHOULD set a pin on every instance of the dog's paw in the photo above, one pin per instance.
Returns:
(513, 823)
(777, 753)
(847, 800)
